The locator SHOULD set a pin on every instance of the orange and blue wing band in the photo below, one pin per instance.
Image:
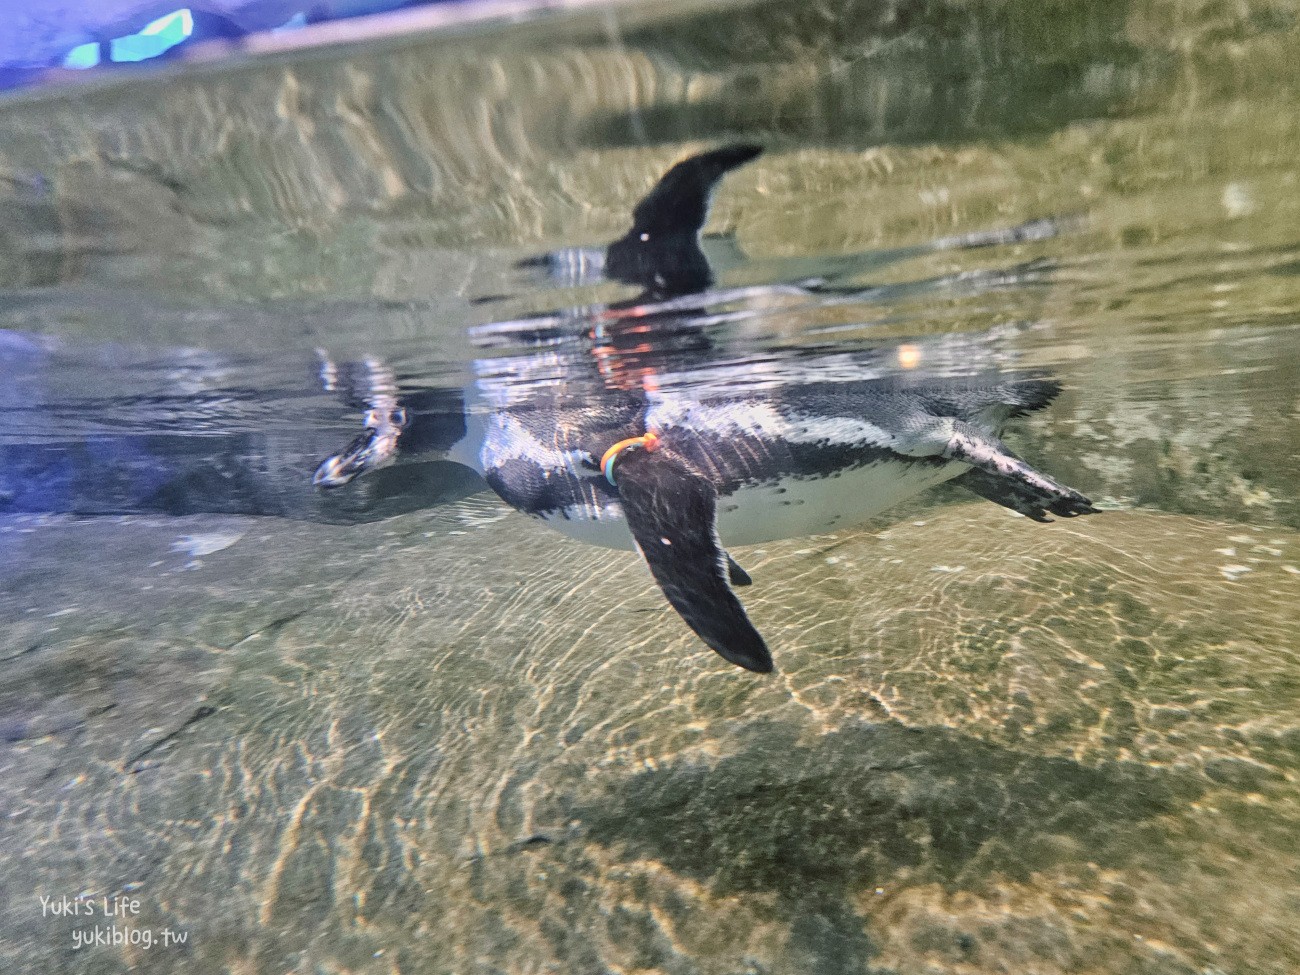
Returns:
(650, 442)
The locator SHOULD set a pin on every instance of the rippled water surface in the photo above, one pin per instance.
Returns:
(399, 726)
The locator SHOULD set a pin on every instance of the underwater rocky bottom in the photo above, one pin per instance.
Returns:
(456, 742)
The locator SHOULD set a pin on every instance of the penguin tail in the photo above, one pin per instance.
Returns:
(1029, 395)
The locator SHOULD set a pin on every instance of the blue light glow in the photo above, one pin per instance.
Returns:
(169, 23)
(293, 23)
(155, 38)
(82, 56)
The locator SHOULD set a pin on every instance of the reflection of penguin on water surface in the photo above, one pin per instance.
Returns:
(678, 472)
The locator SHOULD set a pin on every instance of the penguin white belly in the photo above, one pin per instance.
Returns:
(797, 506)
(609, 530)
(789, 508)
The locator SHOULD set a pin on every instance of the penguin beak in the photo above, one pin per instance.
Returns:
(371, 450)
(374, 448)
(342, 468)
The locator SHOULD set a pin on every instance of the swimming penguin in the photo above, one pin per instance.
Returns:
(628, 457)
(679, 477)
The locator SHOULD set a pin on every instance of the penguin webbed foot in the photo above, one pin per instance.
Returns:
(1035, 499)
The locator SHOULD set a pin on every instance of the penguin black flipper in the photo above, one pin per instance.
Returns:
(661, 252)
(679, 202)
(672, 512)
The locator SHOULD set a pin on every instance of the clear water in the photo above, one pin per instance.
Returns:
(401, 727)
